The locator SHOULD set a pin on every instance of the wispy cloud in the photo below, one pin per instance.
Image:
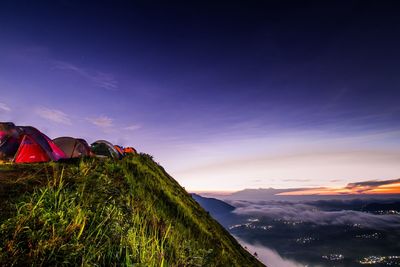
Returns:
(4, 107)
(368, 187)
(372, 184)
(132, 127)
(101, 121)
(99, 79)
(53, 115)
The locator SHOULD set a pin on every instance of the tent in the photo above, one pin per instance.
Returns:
(36, 147)
(120, 150)
(73, 147)
(84, 143)
(104, 148)
(129, 150)
(9, 140)
(7, 126)
(30, 151)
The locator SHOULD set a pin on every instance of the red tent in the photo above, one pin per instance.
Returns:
(30, 151)
(36, 147)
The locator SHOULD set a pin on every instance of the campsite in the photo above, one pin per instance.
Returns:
(26, 144)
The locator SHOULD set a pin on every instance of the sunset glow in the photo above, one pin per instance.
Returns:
(390, 188)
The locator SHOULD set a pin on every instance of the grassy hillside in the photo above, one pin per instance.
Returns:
(107, 213)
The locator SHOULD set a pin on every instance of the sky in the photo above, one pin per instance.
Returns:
(226, 95)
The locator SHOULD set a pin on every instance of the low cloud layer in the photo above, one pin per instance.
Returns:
(311, 212)
(268, 256)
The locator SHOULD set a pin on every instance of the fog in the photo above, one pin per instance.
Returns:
(269, 257)
(311, 212)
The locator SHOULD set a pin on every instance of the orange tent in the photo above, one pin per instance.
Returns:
(129, 150)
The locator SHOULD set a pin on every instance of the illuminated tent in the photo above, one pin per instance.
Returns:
(73, 147)
(130, 150)
(36, 147)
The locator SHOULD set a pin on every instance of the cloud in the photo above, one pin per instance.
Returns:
(53, 115)
(311, 213)
(105, 80)
(373, 187)
(374, 183)
(132, 127)
(269, 257)
(4, 107)
(102, 121)
(99, 79)
(296, 180)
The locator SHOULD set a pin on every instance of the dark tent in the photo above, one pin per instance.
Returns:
(104, 148)
(9, 140)
(7, 126)
(73, 147)
(120, 150)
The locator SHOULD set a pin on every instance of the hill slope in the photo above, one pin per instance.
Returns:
(104, 212)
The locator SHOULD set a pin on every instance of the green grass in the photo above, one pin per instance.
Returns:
(107, 213)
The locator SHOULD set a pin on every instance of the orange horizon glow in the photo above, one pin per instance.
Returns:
(393, 188)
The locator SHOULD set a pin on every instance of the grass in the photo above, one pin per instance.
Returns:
(107, 213)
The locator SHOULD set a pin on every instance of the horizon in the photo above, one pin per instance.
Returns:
(226, 96)
(364, 188)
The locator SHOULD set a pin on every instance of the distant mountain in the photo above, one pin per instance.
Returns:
(258, 194)
(219, 210)
(267, 194)
(213, 206)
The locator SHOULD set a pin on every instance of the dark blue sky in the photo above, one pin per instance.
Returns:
(177, 75)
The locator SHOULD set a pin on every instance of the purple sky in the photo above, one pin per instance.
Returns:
(226, 96)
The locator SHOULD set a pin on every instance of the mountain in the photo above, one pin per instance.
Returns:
(218, 209)
(258, 194)
(107, 213)
(268, 194)
(213, 205)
